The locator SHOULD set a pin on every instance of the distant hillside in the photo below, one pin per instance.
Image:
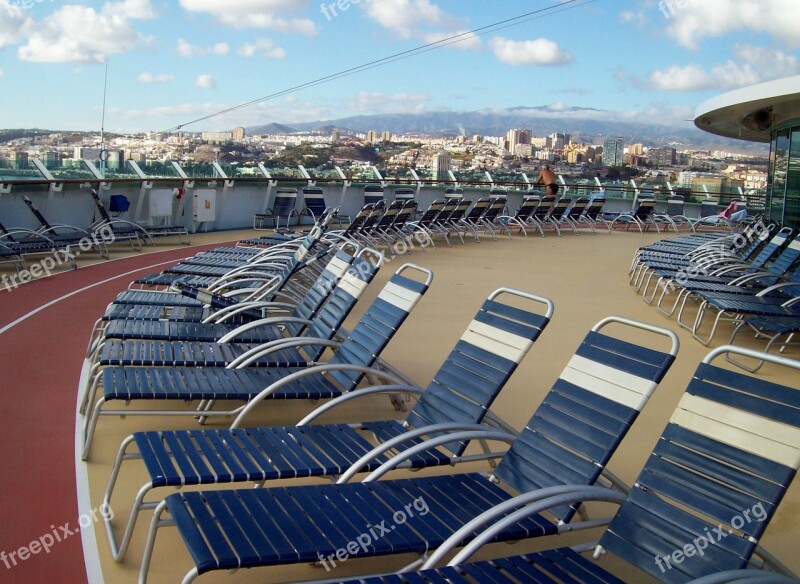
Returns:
(587, 125)
(271, 129)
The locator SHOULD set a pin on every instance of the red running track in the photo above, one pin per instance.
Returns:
(40, 364)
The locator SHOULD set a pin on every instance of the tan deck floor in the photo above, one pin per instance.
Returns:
(586, 276)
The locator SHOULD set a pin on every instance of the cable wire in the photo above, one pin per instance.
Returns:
(457, 38)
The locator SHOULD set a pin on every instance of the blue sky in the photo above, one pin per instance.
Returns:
(172, 62)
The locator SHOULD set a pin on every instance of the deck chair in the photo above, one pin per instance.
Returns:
(286, 263)
(342, 373)
(407, 194)
(283, 208)
(570, 438)
(232, 346)
(592, 214)
(461, 392)
(696, 513)
(213, 327)
(123, 226)
(710, 217)
(62, 234)
(19, 243)
(559, 216)
(373, 194)
(540, 215)
(641, 217)
(674, 217)
(778, 331)
(668, 259)
(313, 203)
(473, 220)
(780, 300)
(523, 214)
(737, 278)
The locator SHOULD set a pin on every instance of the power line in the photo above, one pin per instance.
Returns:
(476, 32)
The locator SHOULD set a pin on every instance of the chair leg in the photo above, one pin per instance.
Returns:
(155, 524)
(118, 549)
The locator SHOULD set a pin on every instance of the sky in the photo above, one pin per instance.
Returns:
(169, 63)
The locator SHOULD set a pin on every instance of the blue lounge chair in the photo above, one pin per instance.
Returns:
(168, 386)
(641, 217)
(698, 509)
(283, 207)
(235, 345)
(460, 393)
(569, 440)
(212, 328)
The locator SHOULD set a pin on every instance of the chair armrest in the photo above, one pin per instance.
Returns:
(361, 392)
(482, 433)
(745, 575)
(526, 505)
(251, 356)
(316, 369)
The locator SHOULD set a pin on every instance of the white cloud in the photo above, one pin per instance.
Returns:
(255, 14)
(76, 33)
(752, 65)
(405, 16)
(186, 49)
(692, 21)
(205, 81)
(150, 78)
(534, 52)
(14, 21)
(263, 48)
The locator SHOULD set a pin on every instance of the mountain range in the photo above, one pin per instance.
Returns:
(582, 124)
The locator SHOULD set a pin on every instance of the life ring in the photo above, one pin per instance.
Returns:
(103, 154)
(179, 192)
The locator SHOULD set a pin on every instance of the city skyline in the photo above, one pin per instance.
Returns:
(168, 64)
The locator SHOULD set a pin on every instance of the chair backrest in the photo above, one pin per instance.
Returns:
(478, 209)
(314, 201)
(408, 210)
(340, 302)
(527, 208)
(715, 477)
(432, 212)
(588, 411)
(560, 208)
(373, 194)
(788, 257)
(772, 248)
(450, 207)
(379, 324)
(461, 209)
(38, 214)
(498, 203)
(480, 364)
(285, 202)
(101, 208)
(596, 206)
(581, 205)
(644, 208)
(542, 210)
(358, 220)
(390, 214)
(709, 208)
(404, 193)
(675, 205)
(374, 216)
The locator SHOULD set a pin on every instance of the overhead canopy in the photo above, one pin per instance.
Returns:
(751, 113)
